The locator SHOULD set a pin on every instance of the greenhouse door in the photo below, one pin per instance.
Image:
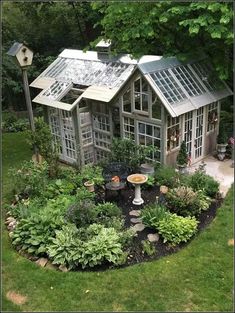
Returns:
(62, 129)
(199, 134)
(193, 133)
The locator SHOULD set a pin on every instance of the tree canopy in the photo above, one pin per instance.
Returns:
(182, 29)
(47, 28)
(168, 28)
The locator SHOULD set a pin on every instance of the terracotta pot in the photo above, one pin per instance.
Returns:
(115, 183)
(90, 186)
(40, 158)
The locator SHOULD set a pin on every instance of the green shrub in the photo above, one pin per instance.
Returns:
(149, 183)
(152, 214)
(31, 178)
(10, 122)
(182, 157)
(66, 248)
(43, 140)
(148, 247)
(175, 229)
(107, 209)
(81, 213)
(184, 201)
(101, 244)
(26, 207)
(202, 181)
(34, 233)
(167, 176)
(128, 152)
(59, 186)
(92, 173)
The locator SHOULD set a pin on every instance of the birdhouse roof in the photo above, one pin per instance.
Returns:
(14, 48)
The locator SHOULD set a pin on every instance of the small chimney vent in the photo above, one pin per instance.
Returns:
(103, 48)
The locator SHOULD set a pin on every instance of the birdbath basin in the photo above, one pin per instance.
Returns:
(137, 180)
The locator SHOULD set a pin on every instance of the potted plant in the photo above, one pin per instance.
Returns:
(90, 186)
(115, 182)
(182, 158)
(221, 142)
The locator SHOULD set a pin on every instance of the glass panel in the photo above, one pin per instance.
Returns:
(207, 75)
(212, 117)
(147, 136)
(188, 80)
(168, 86)
(156, 106)
(173, 132)
(127, 101)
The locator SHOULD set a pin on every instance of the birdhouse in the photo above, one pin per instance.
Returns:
(23, 55)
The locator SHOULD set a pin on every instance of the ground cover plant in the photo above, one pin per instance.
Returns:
(201, 286)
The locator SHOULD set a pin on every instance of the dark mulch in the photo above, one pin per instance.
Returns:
(162, 249)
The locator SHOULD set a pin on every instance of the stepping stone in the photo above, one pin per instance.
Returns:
(135, 212)
(51, 266)
(136, 220)
(139, 227)
(42, 262)
(63, 268)
(153, 237)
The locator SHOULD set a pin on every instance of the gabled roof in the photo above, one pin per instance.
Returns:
(181, 87)
(184, 87)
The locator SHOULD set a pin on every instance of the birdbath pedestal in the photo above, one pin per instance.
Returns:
(137, 180)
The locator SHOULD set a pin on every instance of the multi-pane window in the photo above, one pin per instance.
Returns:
(85, 118)
(101, 154)
(102, 140)
(54, 122)
(205, 73)
(188, 129)
(168, 86)
(188, 80)
(88, 154)
(56, 90)
(199, 133)
(68, 132)
(101, 121)
(212, 117)
(141, 95)
(156, 106)
(173, 132)
(127, 101)
(150, 135)
(99, 107)
(128, 128)
(87, 135)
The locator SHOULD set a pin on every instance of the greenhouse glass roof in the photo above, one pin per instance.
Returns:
(184, 87)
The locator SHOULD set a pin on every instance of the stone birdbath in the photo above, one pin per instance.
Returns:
(137, 180)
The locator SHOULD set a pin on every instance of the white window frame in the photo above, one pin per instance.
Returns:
(150, 136)
(212, 107)
(141, 94)
(173, 124)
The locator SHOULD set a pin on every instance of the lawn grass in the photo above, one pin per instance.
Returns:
(198, 278)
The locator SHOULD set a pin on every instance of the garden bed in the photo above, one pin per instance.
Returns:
(162, 249)
(136, 253)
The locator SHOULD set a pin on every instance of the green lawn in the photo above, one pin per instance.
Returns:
(198, 278)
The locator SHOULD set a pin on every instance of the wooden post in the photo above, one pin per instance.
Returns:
(29, 106)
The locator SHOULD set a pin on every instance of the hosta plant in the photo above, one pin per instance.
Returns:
(175, 229)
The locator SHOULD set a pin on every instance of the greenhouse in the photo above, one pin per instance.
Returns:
(91, 97)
